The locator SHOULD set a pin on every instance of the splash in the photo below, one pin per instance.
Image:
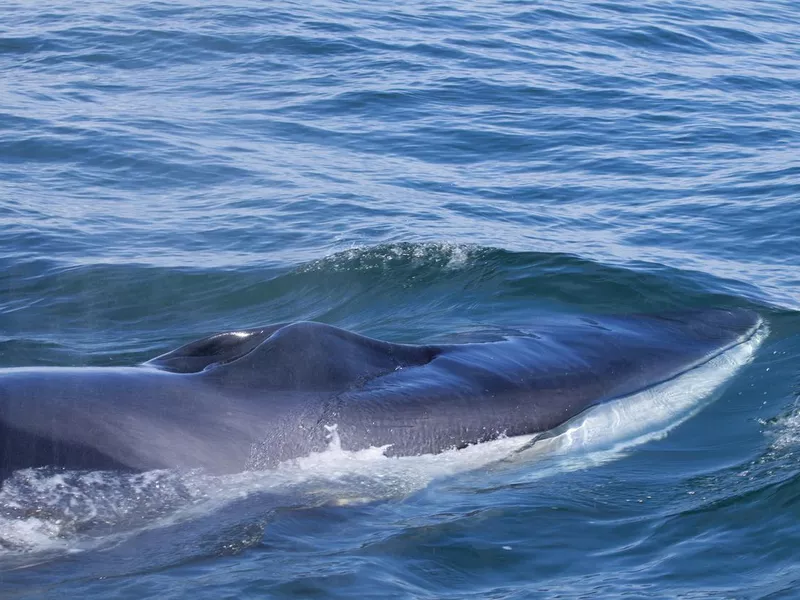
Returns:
(786, 430)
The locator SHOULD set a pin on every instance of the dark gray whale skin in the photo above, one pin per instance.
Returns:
(252, 398)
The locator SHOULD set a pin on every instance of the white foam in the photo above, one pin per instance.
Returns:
(446, 255)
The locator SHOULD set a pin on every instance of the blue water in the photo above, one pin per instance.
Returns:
(415, 172)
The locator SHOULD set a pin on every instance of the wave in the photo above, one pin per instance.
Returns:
(403, 292)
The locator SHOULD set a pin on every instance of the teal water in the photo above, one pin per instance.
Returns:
(414, 172)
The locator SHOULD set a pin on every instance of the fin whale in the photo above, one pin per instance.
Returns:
(255, 397)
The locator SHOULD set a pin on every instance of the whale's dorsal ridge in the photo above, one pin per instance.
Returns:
(303, 355)
(218, 348)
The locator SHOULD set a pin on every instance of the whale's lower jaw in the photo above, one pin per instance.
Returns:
(651, 413)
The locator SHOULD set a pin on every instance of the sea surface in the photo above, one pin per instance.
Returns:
(413, 171)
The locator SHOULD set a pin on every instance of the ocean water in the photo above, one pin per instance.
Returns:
(416, 172)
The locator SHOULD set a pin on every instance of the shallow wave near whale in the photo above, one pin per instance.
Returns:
(254, 398)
